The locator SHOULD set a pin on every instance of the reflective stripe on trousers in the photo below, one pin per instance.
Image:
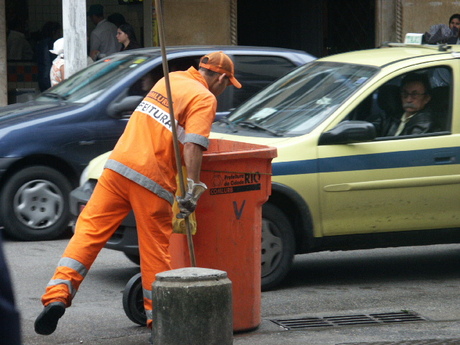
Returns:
(71, 265)
(113, 198)
(147, 294)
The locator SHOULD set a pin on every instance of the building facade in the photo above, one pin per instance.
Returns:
(320, 27)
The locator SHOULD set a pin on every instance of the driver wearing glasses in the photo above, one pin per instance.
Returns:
(417, 118)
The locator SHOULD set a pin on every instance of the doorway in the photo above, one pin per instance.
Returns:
(319, 27)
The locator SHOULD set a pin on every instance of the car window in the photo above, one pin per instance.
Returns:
(298, 102)
(254, 73)
(87, 84)
(143, 85)
(384, 107)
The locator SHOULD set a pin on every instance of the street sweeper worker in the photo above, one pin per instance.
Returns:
(140, 175)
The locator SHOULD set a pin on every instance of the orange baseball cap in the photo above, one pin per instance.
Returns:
(220, 63)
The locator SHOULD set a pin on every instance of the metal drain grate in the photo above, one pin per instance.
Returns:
(411, 342)
(348, 320)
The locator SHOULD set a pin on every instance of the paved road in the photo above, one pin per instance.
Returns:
(422, 280)
(97, 311)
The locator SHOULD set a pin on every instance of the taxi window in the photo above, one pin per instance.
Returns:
(298, 102)
(401, 100)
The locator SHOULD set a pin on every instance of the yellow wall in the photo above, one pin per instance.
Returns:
(197, 22)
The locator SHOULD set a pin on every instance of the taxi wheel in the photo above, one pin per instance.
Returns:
(278, 246)
(133, 301)
(35, 204)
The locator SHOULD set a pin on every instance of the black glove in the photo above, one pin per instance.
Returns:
(187, 204)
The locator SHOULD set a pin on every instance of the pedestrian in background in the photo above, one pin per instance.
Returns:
(18, 47)
(127, 37)
(442, 33)
(117, 19)
(140, 175)
(51, 31)
(454, 24)
(57, 69)
(102, 41)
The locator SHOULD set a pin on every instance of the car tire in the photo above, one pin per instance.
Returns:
(35, 204)
(133, 300)
(278, 246)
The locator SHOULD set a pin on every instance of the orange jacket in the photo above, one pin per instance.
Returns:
(145, 153)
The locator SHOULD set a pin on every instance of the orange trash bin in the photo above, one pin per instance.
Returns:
(229, 222)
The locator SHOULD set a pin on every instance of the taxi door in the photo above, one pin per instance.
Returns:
(391, 183)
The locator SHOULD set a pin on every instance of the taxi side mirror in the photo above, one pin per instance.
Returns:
(348, 132)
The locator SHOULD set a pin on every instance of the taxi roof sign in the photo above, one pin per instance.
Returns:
(413, 38)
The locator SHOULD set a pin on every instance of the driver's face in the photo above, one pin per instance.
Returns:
(414, 97)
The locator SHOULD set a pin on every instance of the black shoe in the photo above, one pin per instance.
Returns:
(47, 321)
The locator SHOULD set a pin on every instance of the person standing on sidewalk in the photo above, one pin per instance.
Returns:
(140, 175)
(127, 37)
(103, 40)
(57, 72)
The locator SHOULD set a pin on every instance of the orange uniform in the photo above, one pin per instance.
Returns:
(140, 175)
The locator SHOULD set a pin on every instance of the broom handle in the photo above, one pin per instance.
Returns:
(182, 190)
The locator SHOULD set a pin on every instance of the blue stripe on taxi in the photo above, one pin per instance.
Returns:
(387, 160)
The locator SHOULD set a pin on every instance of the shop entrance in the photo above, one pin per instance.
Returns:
(320, 27)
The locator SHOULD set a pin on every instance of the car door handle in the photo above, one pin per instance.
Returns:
(86, 142)
(444, 160)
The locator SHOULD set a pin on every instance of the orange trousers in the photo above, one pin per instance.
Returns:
(113, 198)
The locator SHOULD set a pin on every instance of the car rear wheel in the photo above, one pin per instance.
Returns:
(278, 246)
(35, 204)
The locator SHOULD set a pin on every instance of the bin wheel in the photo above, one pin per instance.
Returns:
(133, 301)
(278, 246)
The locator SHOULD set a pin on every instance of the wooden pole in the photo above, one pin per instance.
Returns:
(188, 230)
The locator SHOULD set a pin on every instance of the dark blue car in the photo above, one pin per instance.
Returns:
(46, 143)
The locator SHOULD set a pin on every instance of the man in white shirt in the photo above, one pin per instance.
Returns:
(18, 48)
(103, 40)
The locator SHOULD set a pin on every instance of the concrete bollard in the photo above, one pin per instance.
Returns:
(192, 306)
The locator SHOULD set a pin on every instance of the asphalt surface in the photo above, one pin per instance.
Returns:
(420, 281)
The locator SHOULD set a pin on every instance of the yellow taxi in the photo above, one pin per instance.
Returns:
(342, 180)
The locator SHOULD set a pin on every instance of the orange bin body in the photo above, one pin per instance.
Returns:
(229, 222)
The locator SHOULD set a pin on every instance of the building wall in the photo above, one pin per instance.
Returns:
(214, 22)
(385, 22)
(198, 22)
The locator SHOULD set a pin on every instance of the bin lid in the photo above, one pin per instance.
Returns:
(221, 149)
